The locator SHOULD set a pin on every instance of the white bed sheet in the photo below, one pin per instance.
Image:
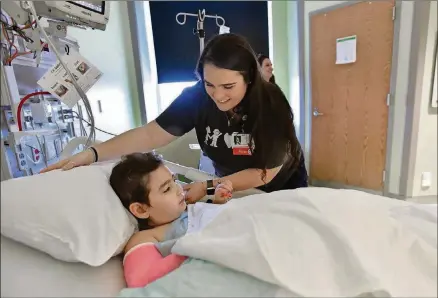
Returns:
(26, 272)
(319, 242)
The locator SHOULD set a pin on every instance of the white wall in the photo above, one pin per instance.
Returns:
(426, 155)
(285, 56)
(293, 45)
(400, 88)
(111, 52)
(398, 108)
(278, 33)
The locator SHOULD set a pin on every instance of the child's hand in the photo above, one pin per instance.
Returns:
(223, 192)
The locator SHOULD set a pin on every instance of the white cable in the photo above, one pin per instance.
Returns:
(72, 145)
(60, 134)
(32, 160)
(82, 127)
(92, 136)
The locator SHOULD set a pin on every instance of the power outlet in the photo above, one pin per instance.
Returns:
(21, 158)
(36, 155)
(426, 179)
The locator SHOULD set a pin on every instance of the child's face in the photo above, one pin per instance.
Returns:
(166, 197)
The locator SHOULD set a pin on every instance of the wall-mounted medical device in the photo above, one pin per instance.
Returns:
(37, 122)
(92, 14)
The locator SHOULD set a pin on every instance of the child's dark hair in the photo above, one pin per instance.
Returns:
(129, 180)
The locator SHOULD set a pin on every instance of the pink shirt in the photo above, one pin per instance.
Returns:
(144, 264)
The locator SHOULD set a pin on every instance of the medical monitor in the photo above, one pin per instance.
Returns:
(93, 14)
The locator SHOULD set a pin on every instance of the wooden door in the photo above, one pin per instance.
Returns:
(348, 145)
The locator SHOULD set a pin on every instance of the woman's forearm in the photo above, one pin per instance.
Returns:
(249, 178)
(140, 139)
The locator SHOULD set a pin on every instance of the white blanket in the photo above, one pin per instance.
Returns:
(319, 242)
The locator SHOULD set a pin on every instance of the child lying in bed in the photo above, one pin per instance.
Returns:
(148, 190)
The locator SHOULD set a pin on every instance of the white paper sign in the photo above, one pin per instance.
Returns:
(346, 49)
(59, 84)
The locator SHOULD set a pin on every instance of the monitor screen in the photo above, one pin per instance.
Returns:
(96, 6)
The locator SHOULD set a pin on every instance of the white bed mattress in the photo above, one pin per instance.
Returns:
(26, 272)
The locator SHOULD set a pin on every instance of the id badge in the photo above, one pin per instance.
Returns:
(243, 150)
(240, 144)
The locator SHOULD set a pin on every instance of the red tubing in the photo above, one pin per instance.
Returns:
(20, 106)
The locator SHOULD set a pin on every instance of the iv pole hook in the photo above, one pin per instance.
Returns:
(200, 23)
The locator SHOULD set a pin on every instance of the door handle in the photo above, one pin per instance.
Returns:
(316, 113)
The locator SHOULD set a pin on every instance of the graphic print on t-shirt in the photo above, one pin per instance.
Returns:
(213, 137)
(207, 135)
(228, 140)
(239, 142)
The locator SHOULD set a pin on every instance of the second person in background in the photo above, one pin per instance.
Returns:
(300, 177)
(266, 68)
(243, 124)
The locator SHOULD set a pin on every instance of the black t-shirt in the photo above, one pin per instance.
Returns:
(217, 134)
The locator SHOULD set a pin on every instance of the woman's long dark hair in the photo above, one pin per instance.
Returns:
(260, 59)
(270, 114)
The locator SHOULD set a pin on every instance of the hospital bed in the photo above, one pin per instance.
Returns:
(27, 272)
(336, 219)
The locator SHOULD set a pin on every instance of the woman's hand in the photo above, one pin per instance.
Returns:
(83, 158)
(223, 192)
(195, 191)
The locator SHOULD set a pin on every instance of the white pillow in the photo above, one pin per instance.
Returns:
(73, 216)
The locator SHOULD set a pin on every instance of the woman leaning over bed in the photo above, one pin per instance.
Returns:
(243, 124)
(148, 190)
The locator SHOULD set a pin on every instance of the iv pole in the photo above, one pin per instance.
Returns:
(200, 24)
